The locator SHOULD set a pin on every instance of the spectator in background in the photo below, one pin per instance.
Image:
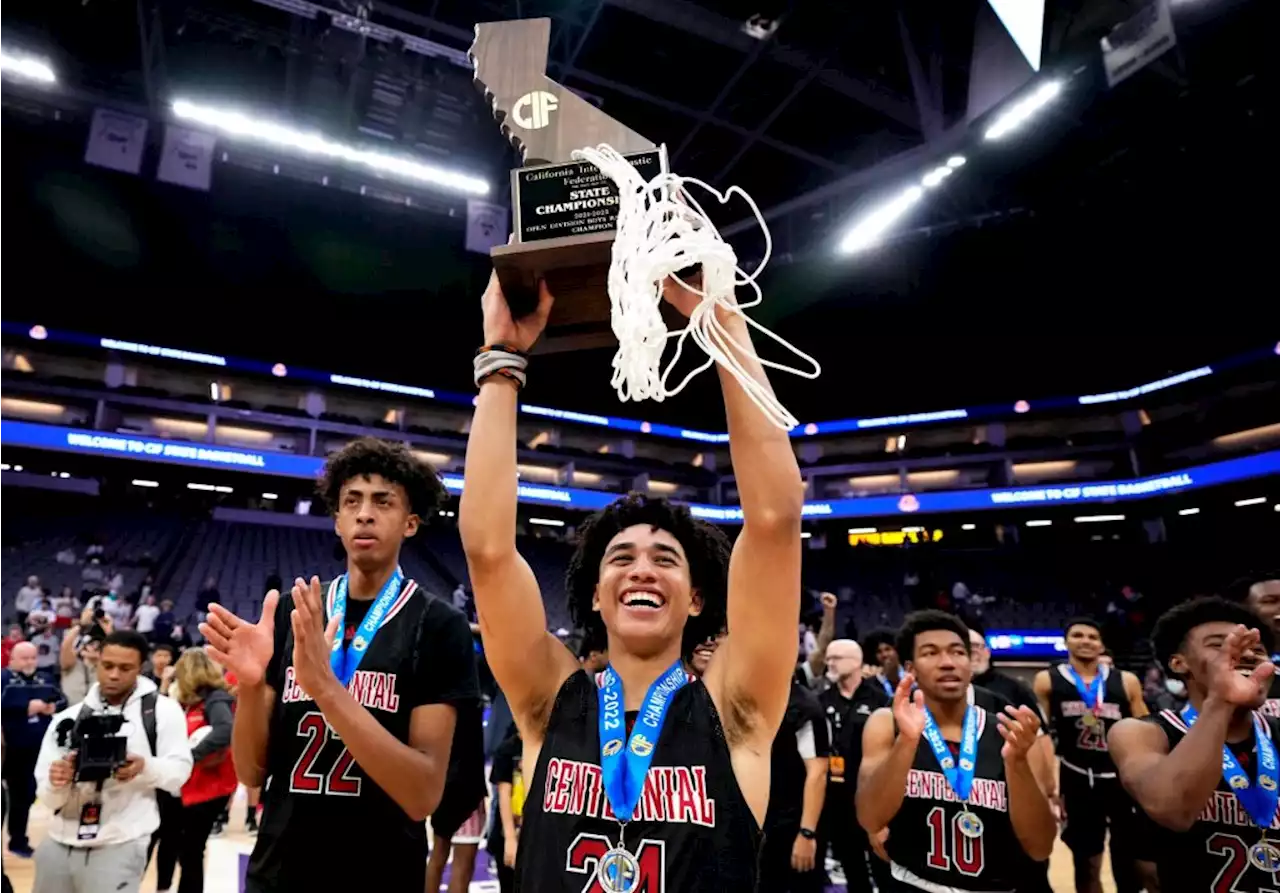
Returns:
(460, 598)
(65, 608)
(144, 619)
(26, 599)
(29, 700)
(163, 657)
(162, 629)
(79, 661)
(115, 609)
(47, 645)
(208, 594)
(148, 587)
(14, 636)
(879, 647)
(809, 670)
(41, 615)
(92, 574)
(116, 583)
(507, 778)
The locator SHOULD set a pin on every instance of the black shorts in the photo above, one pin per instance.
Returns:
(1092, 805)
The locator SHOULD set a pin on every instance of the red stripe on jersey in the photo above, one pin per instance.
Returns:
(405, 594)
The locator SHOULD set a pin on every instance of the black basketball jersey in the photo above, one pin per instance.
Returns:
(315, 791)
(1271, 706)
(692, 831)
(1080, 743)
(924, 836)
(1212, 855)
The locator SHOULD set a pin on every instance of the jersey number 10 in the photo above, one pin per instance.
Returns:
(309, 778)
(949, 849)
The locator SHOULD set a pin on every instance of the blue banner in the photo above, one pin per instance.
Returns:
(79, 440)
(636, 426)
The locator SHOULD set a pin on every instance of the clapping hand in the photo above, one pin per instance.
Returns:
(243, 648)
(908, 708)
(1018, 727)
(312, 638)
(1241, 649)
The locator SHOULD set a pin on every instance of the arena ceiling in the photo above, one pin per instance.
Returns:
(1116, 240)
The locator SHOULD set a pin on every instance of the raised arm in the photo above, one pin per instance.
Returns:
(826, 635)
(887, 755)
(528, 662)
(751, 674)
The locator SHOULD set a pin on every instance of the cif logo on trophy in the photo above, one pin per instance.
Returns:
(563, 211)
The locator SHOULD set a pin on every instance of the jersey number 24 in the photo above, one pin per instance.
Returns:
(308, 777)
(587, 850)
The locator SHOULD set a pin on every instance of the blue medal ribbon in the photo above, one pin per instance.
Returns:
(1259, 798)
(959, 776)
(624, 762)
(1091, 694)
(345, 661)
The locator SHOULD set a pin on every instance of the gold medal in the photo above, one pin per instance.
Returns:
(1090, 720)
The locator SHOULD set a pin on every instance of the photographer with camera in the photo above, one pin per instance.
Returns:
(99, 767)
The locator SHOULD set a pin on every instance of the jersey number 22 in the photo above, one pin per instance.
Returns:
(308, 777)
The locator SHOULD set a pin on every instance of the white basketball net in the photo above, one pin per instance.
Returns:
(662, 229)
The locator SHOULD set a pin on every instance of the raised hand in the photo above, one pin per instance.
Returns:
(1018, 727)
(908, 709)
(242, 647)
(829, 601)
(312, 639)
(501, 328)
(681, 296)
(1226, 683)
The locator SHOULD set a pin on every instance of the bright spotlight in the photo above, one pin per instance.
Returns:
(1021, 111)
(27, 67)
(956, 161)
(936, 176)
(262, 130)
(870, 229)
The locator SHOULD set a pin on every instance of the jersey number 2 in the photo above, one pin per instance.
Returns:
(1237, 864)
(306, 777)
(948, 848)
(588, 849)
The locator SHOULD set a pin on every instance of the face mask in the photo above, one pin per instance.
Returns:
(1175, 687)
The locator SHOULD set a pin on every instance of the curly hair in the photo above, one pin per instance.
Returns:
(366, 456)
(705, 546)
(1170, 633)
(926, 621)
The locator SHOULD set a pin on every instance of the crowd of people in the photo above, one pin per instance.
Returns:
(685, 746)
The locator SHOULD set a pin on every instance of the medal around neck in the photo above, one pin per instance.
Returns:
(1091, 694)
(624, 763)
(959, 775)
(346, 660)
(1260, 797)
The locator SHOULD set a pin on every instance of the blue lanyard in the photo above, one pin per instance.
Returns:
(959, 777)
(1091, 694)
(624, 767)
(887, 686)
(345, 661)
(1259, 799)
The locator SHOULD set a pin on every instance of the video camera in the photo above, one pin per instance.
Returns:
(99, 746)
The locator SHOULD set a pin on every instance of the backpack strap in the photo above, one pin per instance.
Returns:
(149, 718)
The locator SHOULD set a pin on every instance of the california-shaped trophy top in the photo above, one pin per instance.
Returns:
(544, 120)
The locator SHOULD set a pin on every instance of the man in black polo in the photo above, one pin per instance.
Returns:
(847, 704)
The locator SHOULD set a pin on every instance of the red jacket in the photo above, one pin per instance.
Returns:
(214, 773)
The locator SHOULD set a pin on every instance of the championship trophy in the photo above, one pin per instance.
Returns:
(563, 211)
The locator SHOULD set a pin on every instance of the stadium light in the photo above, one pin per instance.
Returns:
(968, 526)
(1189, 511)
(270, 496)
(262, 130)
(861, 531)
(139, 482)
(871, 228)
(4, 466)
(1013, 117)
(1044, 523)
(1253, 500)
(17, 468)
(547, 522)
(1096, 519)
(27, 67)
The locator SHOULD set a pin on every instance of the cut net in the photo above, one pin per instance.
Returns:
(663, 229)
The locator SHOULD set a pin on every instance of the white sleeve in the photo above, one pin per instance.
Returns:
(805, 743)
(170, 768)
(54, 798)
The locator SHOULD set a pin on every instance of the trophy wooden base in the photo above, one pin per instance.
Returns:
(577, 270)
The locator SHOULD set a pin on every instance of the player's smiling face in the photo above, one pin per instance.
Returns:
(645, 593)
(1264, 600)
(373, 518)
(1203, 643)
(1084, 642)
(941, 664)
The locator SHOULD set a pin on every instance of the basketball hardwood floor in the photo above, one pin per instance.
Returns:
(224, 857)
